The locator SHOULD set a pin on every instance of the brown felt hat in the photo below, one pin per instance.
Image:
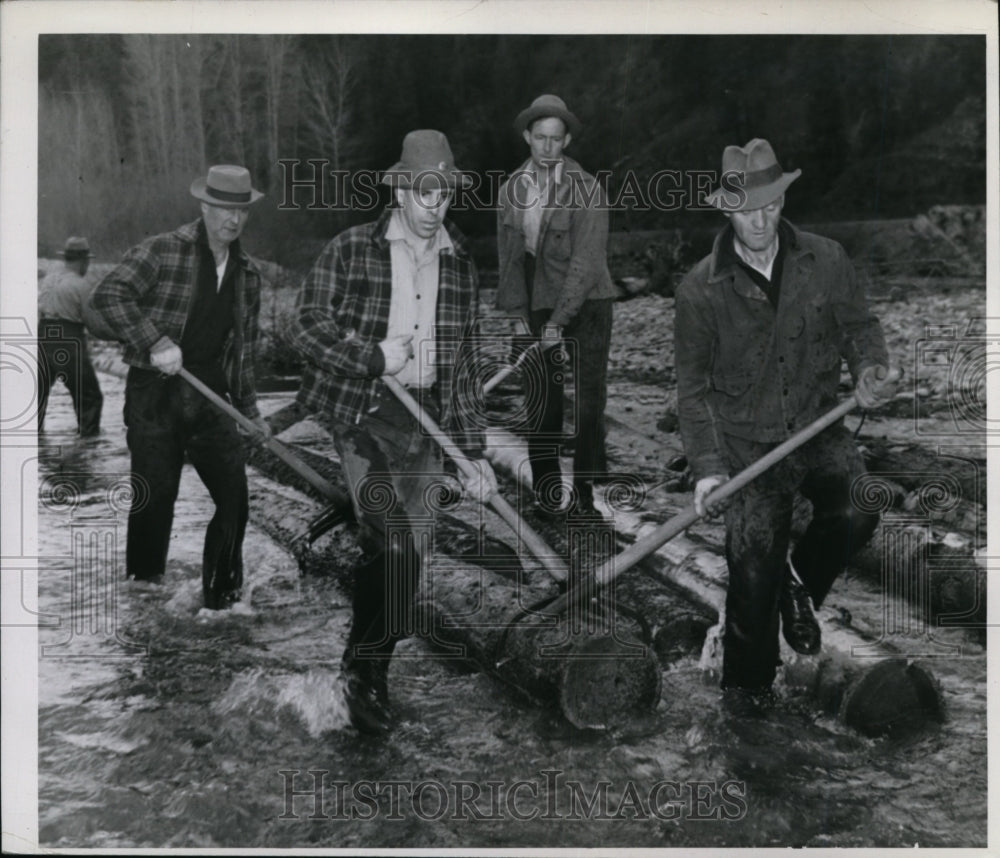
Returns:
(76, 248)
(542, 108)
(426, 162)
(751, 178)
(226, 185)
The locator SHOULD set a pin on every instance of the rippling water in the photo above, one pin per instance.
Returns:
(161, 724)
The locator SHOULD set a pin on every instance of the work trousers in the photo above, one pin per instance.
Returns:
(758, 525)
(62, 354)
(586, 345)
(167, 418)
(393, 470)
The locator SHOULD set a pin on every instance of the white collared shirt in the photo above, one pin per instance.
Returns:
(742, 254)
(534, 204)
(413, 306)
(220, 271)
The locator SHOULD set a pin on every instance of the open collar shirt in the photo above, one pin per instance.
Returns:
(534, 196)
(412, 309)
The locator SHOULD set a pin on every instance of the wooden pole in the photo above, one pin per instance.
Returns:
(612, 568)
(534, 543)
(507, 370)
(273, 444)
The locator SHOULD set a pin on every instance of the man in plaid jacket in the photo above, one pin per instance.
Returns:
(189, 298)
(393, 297)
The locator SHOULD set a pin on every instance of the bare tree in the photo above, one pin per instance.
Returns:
(328, 81)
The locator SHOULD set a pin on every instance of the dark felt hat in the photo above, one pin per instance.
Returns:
(751, 178)
(543, 107)
(426, 162)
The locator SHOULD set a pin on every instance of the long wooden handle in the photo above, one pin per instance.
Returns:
(613, 567)
(507, 370)
(319, 482)
(535, 544)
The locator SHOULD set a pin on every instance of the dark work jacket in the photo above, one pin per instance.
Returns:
(748, 369)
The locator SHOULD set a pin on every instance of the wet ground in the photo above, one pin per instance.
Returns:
(164, 725)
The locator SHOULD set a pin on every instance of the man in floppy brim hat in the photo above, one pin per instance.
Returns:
(189, 299)
(762, 325)
(543, 107)
(552, 233)
(62, 337)
(427, 161)
(393, 297)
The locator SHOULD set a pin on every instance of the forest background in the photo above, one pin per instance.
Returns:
(881, 126)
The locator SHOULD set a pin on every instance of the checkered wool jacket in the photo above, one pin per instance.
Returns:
(343, 313)
(147, 295)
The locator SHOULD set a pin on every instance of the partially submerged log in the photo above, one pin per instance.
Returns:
(880, 696)
(596, 667)
(599, 669)
(891, 698)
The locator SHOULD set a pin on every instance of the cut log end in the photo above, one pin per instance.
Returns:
(894, 698)
(606, 682)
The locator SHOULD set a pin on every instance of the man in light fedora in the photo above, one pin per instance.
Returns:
(762, 326)
(189, 298)
(552, 234)
(62, 338)
(397, 296)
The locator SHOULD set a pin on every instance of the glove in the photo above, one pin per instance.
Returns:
(703, 488)
(876, 386)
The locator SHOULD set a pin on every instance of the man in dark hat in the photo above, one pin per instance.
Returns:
(397, 297)
(762, 325)
(62, 338)
(189, 298)
(552, 234)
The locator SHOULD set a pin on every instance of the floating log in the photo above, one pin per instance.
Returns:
(880, 696)
(891, 698)
(597, 668)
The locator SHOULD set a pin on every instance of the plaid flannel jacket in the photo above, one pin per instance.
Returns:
(343, 313)
(147, 295)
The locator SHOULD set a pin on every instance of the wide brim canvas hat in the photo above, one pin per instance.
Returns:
(751, 178)
(226, 185)
(426, 162)
(76, 248)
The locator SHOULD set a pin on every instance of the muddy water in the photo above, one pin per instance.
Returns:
(161, 724)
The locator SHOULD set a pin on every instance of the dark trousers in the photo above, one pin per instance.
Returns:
(62, 354)
(167, 418)
(758, 525)
(586, 345)
(394, 473)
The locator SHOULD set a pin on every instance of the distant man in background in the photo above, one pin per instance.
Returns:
(62, 338)
(762, 325)
(189, 298)
(397, 296)
(552, 234)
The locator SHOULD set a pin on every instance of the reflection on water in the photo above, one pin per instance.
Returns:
(162, 725)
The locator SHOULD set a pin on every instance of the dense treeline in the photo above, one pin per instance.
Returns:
(881, 126)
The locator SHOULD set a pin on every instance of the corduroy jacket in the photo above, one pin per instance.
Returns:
(747, 369)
